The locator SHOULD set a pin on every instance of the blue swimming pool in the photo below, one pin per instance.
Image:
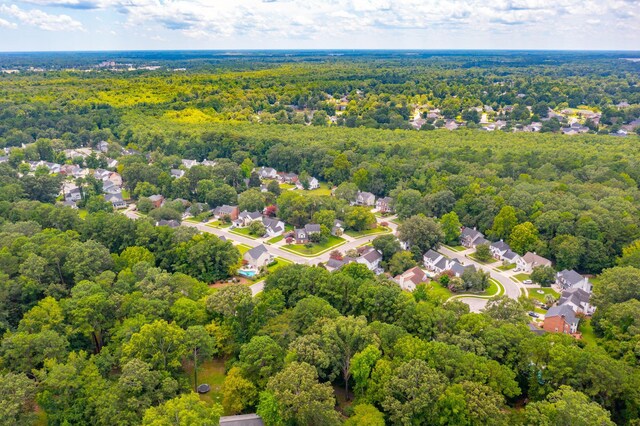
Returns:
(247, 273)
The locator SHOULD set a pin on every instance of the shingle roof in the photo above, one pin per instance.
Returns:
(535, 259)
(510, 255)
(257, 251)
(249, 215)
(577, 296)
(470, 233)
(241, 420)
(432, 255)
(563, 310)
(312, 227)
(500, 245)
(570, 276)
(372, 255)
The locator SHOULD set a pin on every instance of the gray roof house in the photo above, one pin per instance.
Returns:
(116, 200)
(273, 226)
(578, 300)
(258, 257)
(571, 279)
(469, 237)
(371, 258)
(177, 173)
(365, 199)
(568, 323)
(529, 261)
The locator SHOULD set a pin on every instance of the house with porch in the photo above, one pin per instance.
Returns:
(529, 261)
(567, 279)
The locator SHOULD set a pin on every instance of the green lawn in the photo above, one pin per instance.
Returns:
(286, 186)
(218, 224)
(374, 231)
(280, 262)
(244, 232)
(494, 288)
(438, 291)
(275, 239)
(323, 190)
(126, 195)
(191, 220)
(316, 248)
(212, 373)
(455, 248)
(586, 329)
(243, 248)
(508, 267)
(533, 293)
(522, 277)
(473, 256)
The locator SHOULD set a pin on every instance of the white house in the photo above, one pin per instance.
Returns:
(498, 249)
(189, 163)
(258, 257)
(435, 262)
(578, 300)
(529, 261)
(411, 278)
(571, 279)
(370, 257)
(267, 173)
(74, 194)
(470, 237)
(365, 199)
(245, 218)
(116, 200)
(273, 226)
(177, 173)
(313, 184)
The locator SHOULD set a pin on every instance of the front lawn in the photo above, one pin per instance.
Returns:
(438, 291)
(494, 289)
(522, 277)
(507, 267)
(323, 190)
(534, 293)
(218, 224)
(286, 186)
(490, 261)
(244, 232)
(275, 239)
(279, 263)
(315, 249)
(243, 248)
(212, 373)
(126, 195)
(455, 248)
(374, 231)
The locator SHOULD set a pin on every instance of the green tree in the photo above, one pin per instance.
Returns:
(359, 219)
(408, 203)
(260, 359)
(325, 217)
(362, 365)
(186, 409)
(543, 275)
(365, 414)
(451, 226)
(388, 245)
(567, 407)
(251, 200)
(483, 253)
(238, 393)
(503, 223)
(159, 343)
(524, 238)
(300, 398)
(422, 232)
(257, 228)
(17, 393)
(630, 255)
(220, 195)
(475, 279)
(400, 262)
(616, 285)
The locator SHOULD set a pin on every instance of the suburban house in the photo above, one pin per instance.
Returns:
(245, 218)
(302, 235)
(370, 257)
(258, 257)
(116, 200)
(115, 178)
(384, 205)
(529, 261)
(335, 264)
(470, 237)
(290, 178)
(435, 262)
(267, 173)
(458, 268)
(71, 204)
(177, 173)
(365, 199)
(109, 187)
(273, 226)
(232, 211)
(560, 319)
(103, 146)
(510, 257)
(313, 184)
(242, 420)
(208, 163)
(498, 249)
(338, 228)
(571, 279)
(74, 194)
(578, 300)
(411, 278)
(189, 163)
(157, 200)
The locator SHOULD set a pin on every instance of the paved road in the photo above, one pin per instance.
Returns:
(511, 288)
(476, 304)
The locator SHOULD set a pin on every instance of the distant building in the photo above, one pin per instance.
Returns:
(177, 173)
(529, 261)
(365, 199)
(370, 257)
(267, 173)
(116, 200)
(303, 235)
(157, 200)
(567, 279)
(225, 210)
(411, 278)
(560, 319)
(385, 205)
(470, 237)
(258, 257)
(578, 300)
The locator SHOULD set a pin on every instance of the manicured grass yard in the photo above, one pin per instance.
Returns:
(286, 186)
(280, 262)
(218, 224)
(507, 267)
(242, 248)
(456, 248)
(316, 248)
(586, 329)
(494, 288)
(275, 239)
(244, 232)
(437, 290)
(126, 195)
(533, 293)
(212, 373)
(522, 277)
(473, 256)
(374, 231)
(323, 190)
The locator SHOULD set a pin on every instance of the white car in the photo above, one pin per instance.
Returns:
(527, 282)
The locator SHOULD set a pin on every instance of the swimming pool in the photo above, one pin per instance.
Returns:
(247, 273)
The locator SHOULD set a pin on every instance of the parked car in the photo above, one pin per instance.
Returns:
(527, 282)
(533, 314)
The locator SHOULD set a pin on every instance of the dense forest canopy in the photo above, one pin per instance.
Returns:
(104, 317)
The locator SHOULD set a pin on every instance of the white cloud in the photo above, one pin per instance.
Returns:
(6, 24)
(42, 20)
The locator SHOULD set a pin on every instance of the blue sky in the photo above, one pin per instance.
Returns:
(27, 25)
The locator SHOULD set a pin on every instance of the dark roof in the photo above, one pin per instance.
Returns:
(480, 241)
(257, 251)
(510, 255)
(563, 310)
(577, 296)
(335, 263)
(534, 329)
(250, 215)
(169, 223)
(432, 254)
(442, 263)
(225, 209)
(571, 277)
(372, 255)
(470, 233)
(242, 420)
(312, 227)
(500, 245)
(275, 224)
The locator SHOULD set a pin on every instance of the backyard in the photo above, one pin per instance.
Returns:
(374, 231)
(245, 232)
(540, 293)
(210, 372)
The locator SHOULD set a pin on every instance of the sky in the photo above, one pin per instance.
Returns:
(49, 25)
